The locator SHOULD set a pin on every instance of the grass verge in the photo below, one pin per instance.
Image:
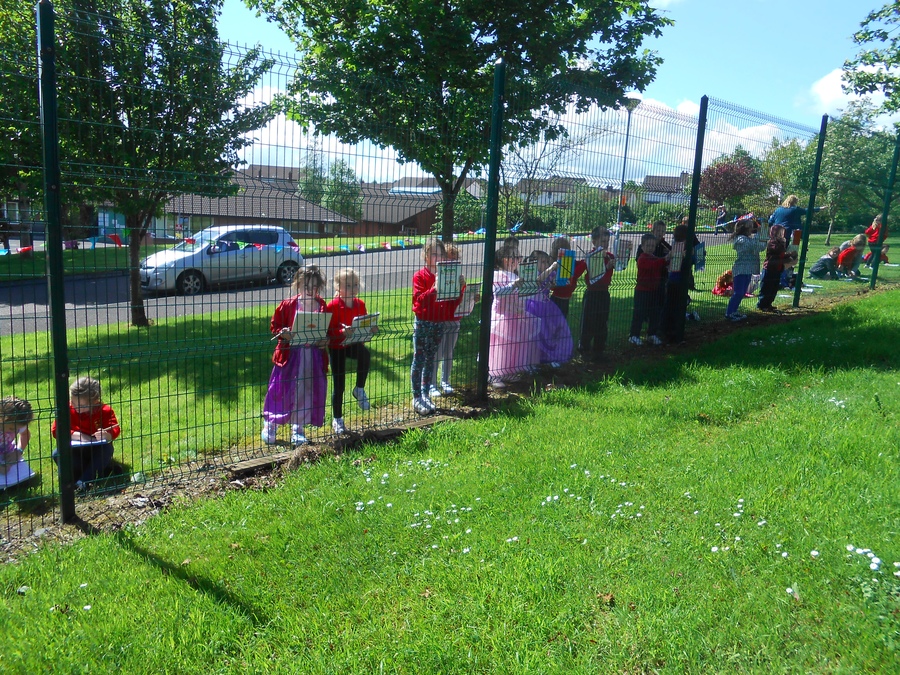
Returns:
(688, 515)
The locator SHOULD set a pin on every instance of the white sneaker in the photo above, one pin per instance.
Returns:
(434, 392)
(337, 425)
(427, 401)
(421, 407)
(654, 340)
(298, 437)
(361, 399)
(446, 388)
(269, 433)
(635, 340)
(497, 382)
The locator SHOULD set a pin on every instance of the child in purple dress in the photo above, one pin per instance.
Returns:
(554, 337)
(296, 394)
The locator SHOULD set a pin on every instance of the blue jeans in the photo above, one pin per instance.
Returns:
(741, 284)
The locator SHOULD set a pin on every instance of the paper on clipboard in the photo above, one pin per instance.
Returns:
(447, 280)
(596, 265)
(310, 327)
(364, 328)
(565, 267)
(528, 274)
(15, 474)
(467, 304)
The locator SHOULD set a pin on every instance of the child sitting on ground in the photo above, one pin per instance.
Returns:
(724, 285)
(15, 416)
(849, 259)
(826, 266)
(93, 426)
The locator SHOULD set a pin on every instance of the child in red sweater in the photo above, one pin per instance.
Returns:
(94, 427)
(651, 270)
(343, 309)
(431, 315)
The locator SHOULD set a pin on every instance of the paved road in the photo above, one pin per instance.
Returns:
(24, 306)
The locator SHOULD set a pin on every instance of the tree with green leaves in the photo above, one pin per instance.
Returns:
(313, 176)
(21, 175)
(343, 192)
(855, 166)
(417, 76)
(875, 69)
(730, 179)
(153, 108)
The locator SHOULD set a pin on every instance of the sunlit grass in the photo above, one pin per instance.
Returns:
(689, 515)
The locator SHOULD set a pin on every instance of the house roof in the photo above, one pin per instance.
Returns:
(268, 197)
(667, 184)
(380, 205)
(552, 184)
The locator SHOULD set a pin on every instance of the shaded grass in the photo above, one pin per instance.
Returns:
(515, 544)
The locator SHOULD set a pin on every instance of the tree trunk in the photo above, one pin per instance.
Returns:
(137, 227)
(449, 198)
(830, 227)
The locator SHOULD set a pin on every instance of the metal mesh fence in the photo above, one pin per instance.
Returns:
(180, 269)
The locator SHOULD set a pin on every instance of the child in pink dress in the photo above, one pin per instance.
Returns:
(296, 393)
(513, 347)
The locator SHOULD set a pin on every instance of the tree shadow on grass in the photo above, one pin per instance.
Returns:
(199, 583)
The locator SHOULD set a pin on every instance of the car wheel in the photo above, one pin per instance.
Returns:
(286, 272)
(190, 283)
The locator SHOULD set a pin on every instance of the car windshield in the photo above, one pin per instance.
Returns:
(195, 243)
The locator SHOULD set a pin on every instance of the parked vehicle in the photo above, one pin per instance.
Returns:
(223, 255)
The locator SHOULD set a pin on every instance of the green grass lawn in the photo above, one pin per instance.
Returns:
(689, 514)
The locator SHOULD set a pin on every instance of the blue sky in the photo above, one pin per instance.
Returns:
(782, 57)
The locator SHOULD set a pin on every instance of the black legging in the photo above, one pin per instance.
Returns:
(769, 289)
(339, 371)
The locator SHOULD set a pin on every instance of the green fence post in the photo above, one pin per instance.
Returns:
(888, 194)
(810, 209)
(695, 186)
(55, 280)
(490, 229)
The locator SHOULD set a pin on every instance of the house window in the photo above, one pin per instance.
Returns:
(300, 226)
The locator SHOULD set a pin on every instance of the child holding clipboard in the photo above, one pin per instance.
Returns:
(344, 308)
(296, 393)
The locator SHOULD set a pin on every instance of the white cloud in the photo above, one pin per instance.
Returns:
(688, 108)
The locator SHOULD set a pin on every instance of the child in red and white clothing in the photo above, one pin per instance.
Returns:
(873, 234)
(595, 310)
(344, 308)
(561, 296)
(651, 270)
(94, 427)
(431, 315)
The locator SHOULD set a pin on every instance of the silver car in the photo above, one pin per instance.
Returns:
(222, 255)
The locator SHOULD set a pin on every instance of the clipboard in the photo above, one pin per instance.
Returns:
(310, 327)
(447, 280)
(467, 304)
(528, 273)
(565, 267)
(363, 328)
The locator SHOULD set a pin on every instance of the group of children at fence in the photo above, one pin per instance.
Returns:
(527, 330)
(842, 261)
